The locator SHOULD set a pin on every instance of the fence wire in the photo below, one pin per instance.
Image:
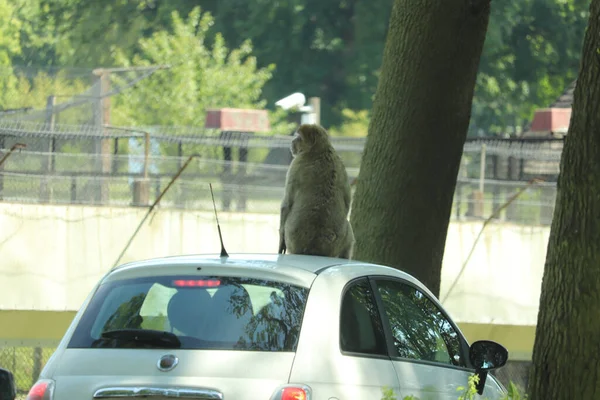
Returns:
(25, 363)
(90, 164)
(515, 372)
(76, 93)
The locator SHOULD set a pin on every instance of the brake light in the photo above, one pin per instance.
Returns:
(293, 393)
(42, 390)
(196, 282)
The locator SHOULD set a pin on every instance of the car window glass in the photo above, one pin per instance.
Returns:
(420, 330)
(361, 330)
(212, 313)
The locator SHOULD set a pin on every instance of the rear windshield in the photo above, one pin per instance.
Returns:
(222, 313)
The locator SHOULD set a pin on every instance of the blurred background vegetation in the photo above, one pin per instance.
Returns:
(239, 53)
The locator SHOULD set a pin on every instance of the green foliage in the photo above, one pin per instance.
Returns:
(328, 49)
(388, 394)
(200, 77)
(514, 393)
(355, 124)
(19, 90)
(531, 55)
(10, 26)
(468, 392)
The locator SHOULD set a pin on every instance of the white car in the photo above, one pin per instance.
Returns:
(250, 327)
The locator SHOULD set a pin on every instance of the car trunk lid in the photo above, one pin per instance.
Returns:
(200, 374)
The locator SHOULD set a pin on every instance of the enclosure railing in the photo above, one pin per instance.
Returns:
(103, 165)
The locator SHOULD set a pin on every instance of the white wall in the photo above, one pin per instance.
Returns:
(51, 256)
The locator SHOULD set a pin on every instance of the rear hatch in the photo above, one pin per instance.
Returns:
(183, 336)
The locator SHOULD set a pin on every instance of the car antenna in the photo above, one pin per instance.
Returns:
(223, 251)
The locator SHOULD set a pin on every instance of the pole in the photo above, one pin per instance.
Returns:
(106, 145)
(482, 168)
(141, 188)
(48, 162)
(226, 194)
(146, 154)
(315, 104)
(241, 173)
(103, 148)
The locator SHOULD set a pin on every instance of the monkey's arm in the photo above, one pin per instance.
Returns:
(285, 210)
(286, 206)
(347, 189)
(347, 198)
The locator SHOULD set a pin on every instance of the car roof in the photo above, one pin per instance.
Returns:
(302, 268)
(312, 264)
(291, 268)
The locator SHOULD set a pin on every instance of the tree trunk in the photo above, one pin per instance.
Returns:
(567, 342)
(417, 132)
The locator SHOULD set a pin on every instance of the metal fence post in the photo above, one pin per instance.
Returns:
(48, 162)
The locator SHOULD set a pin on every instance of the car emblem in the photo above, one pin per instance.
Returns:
(167, 362)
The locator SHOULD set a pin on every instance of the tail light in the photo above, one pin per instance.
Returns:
(292, 392)
(42, 390)
(197, 282)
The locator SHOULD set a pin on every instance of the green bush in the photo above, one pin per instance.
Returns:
(465, 393)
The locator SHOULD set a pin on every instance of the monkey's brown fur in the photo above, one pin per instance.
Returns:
(315, 206)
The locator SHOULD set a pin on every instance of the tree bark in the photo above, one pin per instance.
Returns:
(566, 352)
(417, 132)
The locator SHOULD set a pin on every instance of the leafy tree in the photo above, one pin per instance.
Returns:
(23, 91)
(199, 77)
(38, 33)
(9, 33)
(567, 344)
(95, 32)
(356, 124)
(530, 56)
(330, 49)
(364, 55)
(417, 131)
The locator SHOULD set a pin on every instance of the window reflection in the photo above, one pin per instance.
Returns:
(361, 330)
(236, 313)
(420, 330)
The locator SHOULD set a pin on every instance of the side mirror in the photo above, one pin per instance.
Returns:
(485, 356)
(8, 390)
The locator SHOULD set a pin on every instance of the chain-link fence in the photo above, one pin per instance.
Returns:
(515, 372)
(25, 363)
(494, 170)
(87, 164)
(96, 165)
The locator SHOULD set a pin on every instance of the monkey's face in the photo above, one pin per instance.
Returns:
(297, 144)
(309, 138)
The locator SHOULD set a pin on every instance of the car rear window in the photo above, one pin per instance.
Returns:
(212, 312)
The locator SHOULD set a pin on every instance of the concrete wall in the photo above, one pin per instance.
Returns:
(51, 256)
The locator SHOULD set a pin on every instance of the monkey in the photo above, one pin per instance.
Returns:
(316, 201)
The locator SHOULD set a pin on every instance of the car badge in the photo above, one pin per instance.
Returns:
(167, 362)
